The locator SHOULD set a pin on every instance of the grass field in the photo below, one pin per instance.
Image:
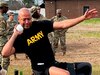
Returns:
(83, 44)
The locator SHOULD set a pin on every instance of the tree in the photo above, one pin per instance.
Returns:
(27, 2)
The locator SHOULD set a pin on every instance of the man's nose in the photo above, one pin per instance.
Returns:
(26, 21)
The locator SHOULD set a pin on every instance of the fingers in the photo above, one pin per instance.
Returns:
(90, 13)
(86, 11)
(93, 11)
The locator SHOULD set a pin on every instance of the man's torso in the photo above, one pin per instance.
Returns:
(35, 44)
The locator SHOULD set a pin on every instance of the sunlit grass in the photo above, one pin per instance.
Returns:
(91, 21)
(93, 34)
(84, 34)
(96, 70)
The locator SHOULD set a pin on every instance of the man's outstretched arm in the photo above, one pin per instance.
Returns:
(72, 22)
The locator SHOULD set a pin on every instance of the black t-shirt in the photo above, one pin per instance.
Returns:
(35, 43)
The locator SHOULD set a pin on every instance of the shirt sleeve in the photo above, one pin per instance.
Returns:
(47, 25)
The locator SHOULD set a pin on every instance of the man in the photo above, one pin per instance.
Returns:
(36, 15)
(34, 42)
(11, 23)
(3, 33)
(59, 35)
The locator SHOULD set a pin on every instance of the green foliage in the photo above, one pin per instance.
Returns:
(27, 2)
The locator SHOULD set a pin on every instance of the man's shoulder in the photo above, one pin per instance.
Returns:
(1, 17)
(14, 21)
(54, 17)
(2, 20)
(64, 17)
(43, 18)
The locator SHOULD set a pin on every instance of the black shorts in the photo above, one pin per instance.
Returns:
(77, 68)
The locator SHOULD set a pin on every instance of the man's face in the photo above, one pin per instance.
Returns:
(25, 20)
(59, 14)
(11, 17)
(38, 10)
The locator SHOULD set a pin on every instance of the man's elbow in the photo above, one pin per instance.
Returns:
(4, 54)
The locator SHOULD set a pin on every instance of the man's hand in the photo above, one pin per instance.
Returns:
(90, 13)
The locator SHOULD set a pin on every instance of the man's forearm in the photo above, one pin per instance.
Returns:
(72, 22)
(8, 48)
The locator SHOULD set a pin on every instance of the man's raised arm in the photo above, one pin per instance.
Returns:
(72, 22)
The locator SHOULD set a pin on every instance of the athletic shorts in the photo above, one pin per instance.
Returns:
(79, 68)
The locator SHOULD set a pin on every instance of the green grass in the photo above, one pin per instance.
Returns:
(84, 34)
(91, 21)
(96, 70)
(92, 34)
